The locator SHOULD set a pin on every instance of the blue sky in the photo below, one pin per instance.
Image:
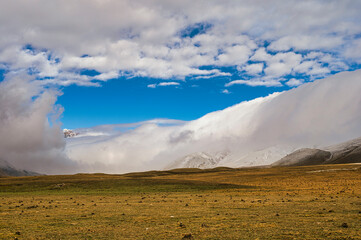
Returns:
(130, 100)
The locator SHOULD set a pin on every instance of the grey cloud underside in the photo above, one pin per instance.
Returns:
(175, 39)
(258, 132)
(29, 139)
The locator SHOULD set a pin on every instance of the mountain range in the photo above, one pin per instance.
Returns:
(346, 152)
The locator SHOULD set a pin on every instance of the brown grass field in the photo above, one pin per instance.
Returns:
(313, 202)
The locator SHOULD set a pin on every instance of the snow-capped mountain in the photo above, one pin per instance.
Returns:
(69, 133)
(200, 160)
(258, 158)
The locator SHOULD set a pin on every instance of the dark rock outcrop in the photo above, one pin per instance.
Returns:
(304, 156)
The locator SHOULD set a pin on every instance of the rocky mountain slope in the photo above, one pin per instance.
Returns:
(347, 152)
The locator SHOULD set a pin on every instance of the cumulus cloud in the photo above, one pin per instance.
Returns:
(235, 55)
(253, 69)
(323, 112)
(279, 64)
(353, 51)
(293, 82)
(175, 39)
(306, 43)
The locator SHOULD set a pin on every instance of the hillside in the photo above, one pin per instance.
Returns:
(347, 152)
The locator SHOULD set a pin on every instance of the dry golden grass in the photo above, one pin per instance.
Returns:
(314, 202)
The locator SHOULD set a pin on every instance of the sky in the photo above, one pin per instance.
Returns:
(84, 63)
(127, 101)
(126, 61)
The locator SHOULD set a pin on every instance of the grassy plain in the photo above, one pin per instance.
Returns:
(313, 202)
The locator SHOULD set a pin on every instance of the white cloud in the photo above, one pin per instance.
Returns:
(168, 84)
(30, 139)
(279, 64)
(282, 64)
(163, 84)
(152, 85)
(318, 70)
(261, 55)
(144, 38)
(107, 75)
(313, 55)
(305, 66)
(236, 55)
(256, 83)
(226, 91)
(306, 43)
(253, 69)
(353, 50)
(294, 82)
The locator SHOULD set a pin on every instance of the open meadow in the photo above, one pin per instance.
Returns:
(312, 202)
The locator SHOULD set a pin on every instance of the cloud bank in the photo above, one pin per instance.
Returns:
(31, 139)
(256, 132)
(321, 113)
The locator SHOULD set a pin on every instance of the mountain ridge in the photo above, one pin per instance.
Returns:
(7, 170)
(346, 152)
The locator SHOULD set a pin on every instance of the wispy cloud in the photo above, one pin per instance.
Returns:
(154, 85)
(163, 84)
(168, 84)
(255, 83)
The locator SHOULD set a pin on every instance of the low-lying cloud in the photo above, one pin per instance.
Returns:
(31, 138)
(320, 113)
